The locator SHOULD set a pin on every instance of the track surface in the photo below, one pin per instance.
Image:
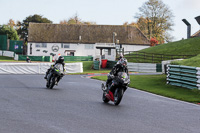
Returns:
(75, 106)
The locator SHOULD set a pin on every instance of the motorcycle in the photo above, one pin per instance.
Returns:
(119, 85)
(55, 74)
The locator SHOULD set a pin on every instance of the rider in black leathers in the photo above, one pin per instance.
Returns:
(61, 61)
(121, 66)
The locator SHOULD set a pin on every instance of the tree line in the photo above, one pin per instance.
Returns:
(154, 19)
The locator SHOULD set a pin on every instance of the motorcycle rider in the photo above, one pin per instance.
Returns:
(121, 56)
(28, 60)
(61, 61)
(121, 66)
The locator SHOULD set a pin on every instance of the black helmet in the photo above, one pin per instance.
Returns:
(60, 59)
(121, 56)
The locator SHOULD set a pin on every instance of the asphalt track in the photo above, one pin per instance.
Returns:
(75, 106)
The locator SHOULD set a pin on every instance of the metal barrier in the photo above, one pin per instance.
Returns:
(7, 53)
(144, 67)
(183, 76)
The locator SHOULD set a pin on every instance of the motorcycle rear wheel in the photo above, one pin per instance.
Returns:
(47, 85)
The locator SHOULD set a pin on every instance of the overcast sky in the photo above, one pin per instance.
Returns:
(103, 12)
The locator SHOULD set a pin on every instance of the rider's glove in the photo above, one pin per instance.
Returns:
(112, 76)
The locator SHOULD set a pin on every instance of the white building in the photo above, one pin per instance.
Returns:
(83, 40)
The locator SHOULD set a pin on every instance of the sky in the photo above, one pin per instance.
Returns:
(103, 12)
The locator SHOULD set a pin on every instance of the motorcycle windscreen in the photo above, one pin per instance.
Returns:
(123, 76)
(59, 67)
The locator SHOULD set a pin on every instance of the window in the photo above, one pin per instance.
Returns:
(31, 48)
(109, 51)
(70, 53)
(89, 46)
(66, 45)
(63, 45)
(41, 45)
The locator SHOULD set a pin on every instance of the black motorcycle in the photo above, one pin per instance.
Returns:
(54, 76)
(119, 85)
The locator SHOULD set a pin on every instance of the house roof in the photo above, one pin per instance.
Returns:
(62, 33)
(197, 34)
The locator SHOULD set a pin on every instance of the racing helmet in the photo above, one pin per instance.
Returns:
(121, 56)
(60, 59)
(123, 61)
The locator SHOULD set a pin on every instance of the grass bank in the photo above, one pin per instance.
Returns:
(174, 50)
(157, 84)
(183, 47)
(194, 61)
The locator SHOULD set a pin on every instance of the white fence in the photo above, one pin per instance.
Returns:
(7, 53)
(36, 68)
(142, 67)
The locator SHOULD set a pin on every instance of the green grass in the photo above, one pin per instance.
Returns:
(157, 84)
(4, 58)
(183, 47)
(194, 61)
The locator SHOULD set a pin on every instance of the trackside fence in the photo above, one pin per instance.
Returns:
(144, 67)
(152, 57)
(37, 68)
(183, 76)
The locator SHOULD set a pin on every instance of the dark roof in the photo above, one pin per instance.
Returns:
(197, 34)
(62, 33)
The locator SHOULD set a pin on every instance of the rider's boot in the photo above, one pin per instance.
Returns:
(103, 87)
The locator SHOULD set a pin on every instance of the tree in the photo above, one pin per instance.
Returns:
(76, 20)
(155, 20)
(23, 27)
(10, 31)
(11, 23)
(153, 42)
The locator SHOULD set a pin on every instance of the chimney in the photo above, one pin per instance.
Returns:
(188, 28)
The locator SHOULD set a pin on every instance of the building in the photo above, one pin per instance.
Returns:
(197, 34)
(83, 40)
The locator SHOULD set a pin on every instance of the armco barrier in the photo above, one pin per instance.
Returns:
(183, 76)
(36, 68)
(7, 53)
(144, 67)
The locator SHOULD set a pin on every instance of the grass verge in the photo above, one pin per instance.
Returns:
(4, 58)
(157, 84)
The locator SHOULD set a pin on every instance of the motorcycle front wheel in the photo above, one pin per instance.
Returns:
(52, 82)
(118, 96)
